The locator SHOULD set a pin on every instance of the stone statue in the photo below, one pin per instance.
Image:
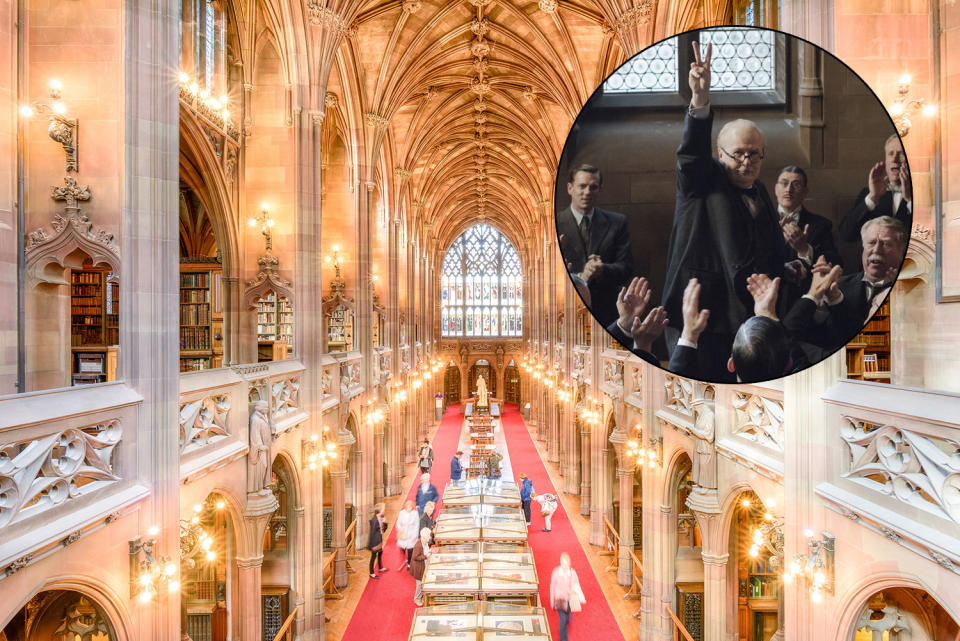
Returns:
(704, 471)
(481, 392)
(258, 460)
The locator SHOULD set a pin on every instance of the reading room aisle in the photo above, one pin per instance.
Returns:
(596, 621)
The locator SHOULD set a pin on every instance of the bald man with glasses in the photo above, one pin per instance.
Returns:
(725, 227)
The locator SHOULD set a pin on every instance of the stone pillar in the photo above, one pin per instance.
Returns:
(714, 596)
(601, 498)
(296, 527)
(248, 584)
(378, 484)
(394, 466)
(625, 562)
(585, 473)
(338, 479)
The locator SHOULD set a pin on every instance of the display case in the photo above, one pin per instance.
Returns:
(459, 524)
(470, 571)
(481, 491)
(480, 621)
(452, 574)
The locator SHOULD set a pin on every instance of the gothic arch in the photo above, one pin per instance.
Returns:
(680, 462)
(100, 592)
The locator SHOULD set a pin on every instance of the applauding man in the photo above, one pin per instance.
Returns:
(889, 192)
(807, 235)
(631, 329)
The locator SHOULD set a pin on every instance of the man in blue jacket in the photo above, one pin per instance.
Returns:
(426, 493)
(456, 469)
(526, 491)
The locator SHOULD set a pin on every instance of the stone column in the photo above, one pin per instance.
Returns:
(248, 584)
(585, 471)
(625, 562)
(297, 528)
(714, 596)
(338, 479)
(378, 484)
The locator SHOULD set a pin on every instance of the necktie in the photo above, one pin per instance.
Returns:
(872, 289)
(585, 232)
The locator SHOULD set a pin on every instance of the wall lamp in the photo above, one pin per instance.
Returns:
(61, 129)
(817, 565)
(266, 224)
(316, 451)
(150, 573)
(904, 106)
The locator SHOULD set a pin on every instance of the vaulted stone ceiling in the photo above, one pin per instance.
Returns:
(478, 95)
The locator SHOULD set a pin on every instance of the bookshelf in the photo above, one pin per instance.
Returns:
(378, 329)
(340, 329)
(275, 323)
(762, 579)
(201, 317)
(868, 355)
(94, 325)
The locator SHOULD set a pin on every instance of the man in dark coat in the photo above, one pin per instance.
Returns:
(724, 227)
(595, 243)
(808, 235)
(889, 192)
(377, 527)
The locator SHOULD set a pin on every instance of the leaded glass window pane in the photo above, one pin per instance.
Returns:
(652, 70)
(743, 59)
(480, 276)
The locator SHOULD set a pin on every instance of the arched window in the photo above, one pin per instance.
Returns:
(203, 44)
(481, 290)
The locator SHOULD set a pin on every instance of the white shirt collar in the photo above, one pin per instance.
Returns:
(577, 216)
(795, 214)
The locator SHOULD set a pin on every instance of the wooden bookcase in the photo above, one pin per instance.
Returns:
(201, 317)
(340, 329)
(275, 324)
(94, 325)
(868, 354)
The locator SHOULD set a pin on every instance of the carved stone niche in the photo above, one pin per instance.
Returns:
(73, 240)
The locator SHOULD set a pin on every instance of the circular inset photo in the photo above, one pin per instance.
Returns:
(734, 204)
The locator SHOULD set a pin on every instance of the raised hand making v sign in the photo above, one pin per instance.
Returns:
(700, 76)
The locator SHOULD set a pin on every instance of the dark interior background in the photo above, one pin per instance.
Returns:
(635, 147)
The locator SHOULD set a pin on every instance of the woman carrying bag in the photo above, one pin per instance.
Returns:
(408, 531)
(566, 596)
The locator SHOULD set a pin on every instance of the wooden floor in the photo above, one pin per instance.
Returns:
(339, 612)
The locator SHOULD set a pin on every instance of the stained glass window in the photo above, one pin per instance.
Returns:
(653, 69)
(481, 288)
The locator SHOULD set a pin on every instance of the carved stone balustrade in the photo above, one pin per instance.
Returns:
(69, 457)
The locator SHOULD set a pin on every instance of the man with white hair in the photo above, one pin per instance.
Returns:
(426, 493)
(889, 192)
(725, 226)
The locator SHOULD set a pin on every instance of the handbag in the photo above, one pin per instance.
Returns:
(577, 599)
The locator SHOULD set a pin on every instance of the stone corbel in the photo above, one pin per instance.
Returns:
(268, 279)
(921, 252)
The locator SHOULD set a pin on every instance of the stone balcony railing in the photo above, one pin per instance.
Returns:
(892, 464)
(68, 466)
(215, 407)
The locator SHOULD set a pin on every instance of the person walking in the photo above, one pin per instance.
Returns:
(456, 468)
(526, 495)
(377, 527)
(426, 492)
(566, 596)
(425, 456)
(418, 563)
(548, 505)
(493, 465)
(408, 531)
(427, 520)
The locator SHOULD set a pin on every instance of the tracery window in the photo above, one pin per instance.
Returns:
(203, 43)
(481, 289)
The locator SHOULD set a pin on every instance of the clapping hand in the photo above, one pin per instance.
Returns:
(700, 76)
(646, 332)
(906, 184)
(825, 279)
(694, 318)
(877, 181)
(592, 268)
(764, 292)
(795, 237)
(631, 302)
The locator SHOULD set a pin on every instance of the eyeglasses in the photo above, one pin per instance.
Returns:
(744, 156)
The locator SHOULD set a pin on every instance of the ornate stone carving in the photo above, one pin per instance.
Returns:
(377, 121)
(919, 470)
(529, 93)
(18, 565)
(326, 17)
(258, 458)
(411, 6)
(330, 100)
(284, 396)
(326, 383)
(480, 26)
(679, 394)
(704, 472)
(480, 48)
(44, 472)
(401, 175)
(268, 279)
(70, 192)
(759, 419)
(203, 421)
(480, 86)
(548, 6)
(72, 538)
(634, 16)
(943, 561)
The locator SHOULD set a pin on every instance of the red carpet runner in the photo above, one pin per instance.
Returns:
(385, 610)
(597, 620)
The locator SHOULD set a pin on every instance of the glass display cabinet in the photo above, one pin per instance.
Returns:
(480, 621)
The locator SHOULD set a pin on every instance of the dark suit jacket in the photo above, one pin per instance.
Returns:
(376, 534)
(683, 361)
(859, 214)
(610, 239)
(627, 341)
(820, 238)
(716, 240)
(846, 319)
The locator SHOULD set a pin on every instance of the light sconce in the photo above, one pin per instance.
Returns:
(204, 102)
(374, 416)
(266, 224)
(61, 129)
(817, 565)
(150, 574)
(651, 456)
(398, 394)
(336, 259)
(318, 452)
(904, 106)
(416, 382)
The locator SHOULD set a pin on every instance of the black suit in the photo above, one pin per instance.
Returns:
(859, 214)
(627, 341)
(820, 238)
(716, 240)
(609, 239)
(375, 543)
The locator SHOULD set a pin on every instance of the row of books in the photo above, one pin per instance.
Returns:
(80, 310)
(194, 295)
(85, 320)
(87, 278)
(194, 338)
(194, 314)
(85, 290)
(194, 279)
(874, 340)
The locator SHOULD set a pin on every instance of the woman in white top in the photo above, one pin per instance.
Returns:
(548, 505)
(408, 526)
